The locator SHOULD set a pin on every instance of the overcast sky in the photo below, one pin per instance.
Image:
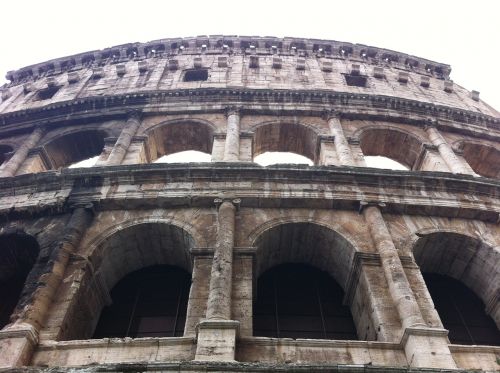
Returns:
(464, 34)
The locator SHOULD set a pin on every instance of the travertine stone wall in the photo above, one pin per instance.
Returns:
(374, 231)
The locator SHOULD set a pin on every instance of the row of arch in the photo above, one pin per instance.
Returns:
(302, 270)
(166, 139)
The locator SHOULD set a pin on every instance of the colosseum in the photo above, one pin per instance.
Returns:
(140, 263)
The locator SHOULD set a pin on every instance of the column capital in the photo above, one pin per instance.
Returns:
(329, 114)
(365, 204)
(86, 205)
(134, 114)
(232, 110)
(234, 201)
(431, 123)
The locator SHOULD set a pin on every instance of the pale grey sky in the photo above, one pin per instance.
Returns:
(464, 34)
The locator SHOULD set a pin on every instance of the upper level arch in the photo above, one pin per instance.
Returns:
(73, 146)
(483, 158)
(284, 136)
(391, 142)
(180, 135)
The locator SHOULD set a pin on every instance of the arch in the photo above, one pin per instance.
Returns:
(483, 159)
(180, 135)
(289, 242)
(391, 142)
(121, 250)
(74, 146)
(150, 302)
(4, 151)
(18, 253)
(463, 258)
(300, 301)
(285, 137)
(461, 311)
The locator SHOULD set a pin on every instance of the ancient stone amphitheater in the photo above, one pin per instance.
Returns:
(132, 265)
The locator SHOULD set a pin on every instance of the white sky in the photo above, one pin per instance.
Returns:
(464, 34)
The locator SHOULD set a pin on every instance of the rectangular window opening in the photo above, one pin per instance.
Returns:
(197, 75)
(355, 80)
(47, 93)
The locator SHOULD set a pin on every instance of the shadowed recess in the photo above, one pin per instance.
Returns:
(18, 253)
(484, 160)
(300, 301)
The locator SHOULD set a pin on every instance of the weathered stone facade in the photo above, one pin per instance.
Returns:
(374, 231)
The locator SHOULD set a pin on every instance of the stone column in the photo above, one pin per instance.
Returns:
(342, 148)
(217, 333)
(424, 346)
(18, 341)
(15, 162)
(232, 146)
(121, 146)
(445, 150)
(399, 286)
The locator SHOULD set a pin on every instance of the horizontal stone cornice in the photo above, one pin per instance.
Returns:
(259, 101)
(406, 192)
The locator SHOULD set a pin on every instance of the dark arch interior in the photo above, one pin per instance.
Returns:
(484, 160)
(177, 137)
(285, 137)
(4, 150)
(75, 147)
(150, 302)
(300, 301)
(461, 312)
(393, 144)
(18, 253)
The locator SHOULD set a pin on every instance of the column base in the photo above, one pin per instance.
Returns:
(216, 340)
(427, 348)
(17, 344)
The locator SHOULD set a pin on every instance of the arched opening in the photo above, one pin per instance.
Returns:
(5, 150)
(378, 161)
(390, 143)
(181, 136)
(187, 156)
(289, 139)
(466, 259)
(89, 162)
(150, 302)
(18, 253)
(75, 147)
(313, 262)
(133, 248)
(483, 159)
(461, 311)
(299, 301)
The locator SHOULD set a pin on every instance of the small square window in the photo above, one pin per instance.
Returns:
(355, 80)
(46, 93)
(197, 75)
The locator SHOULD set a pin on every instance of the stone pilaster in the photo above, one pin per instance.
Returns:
(122, 144)
(342, 148)
(232, 146)
(36, 312)
(217, 333)
(15, 162)
(450, 158)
